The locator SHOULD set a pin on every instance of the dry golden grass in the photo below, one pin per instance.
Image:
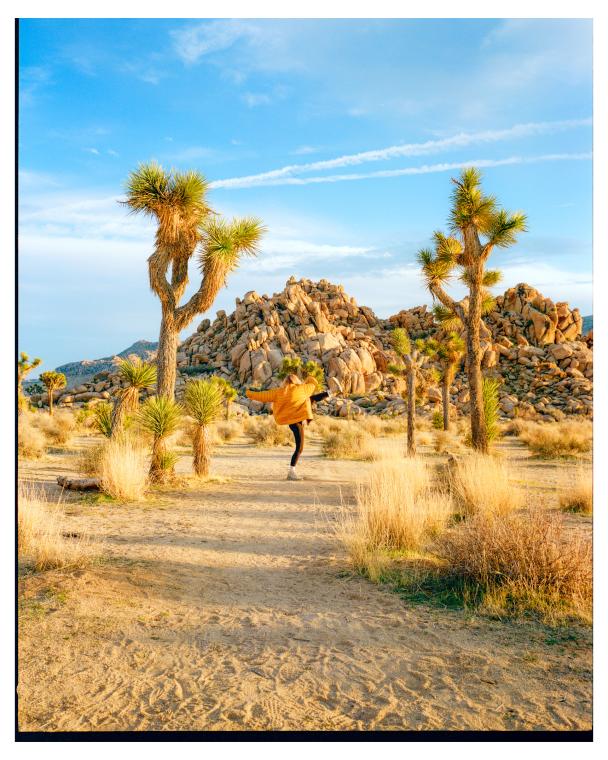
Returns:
(480, 484)
(123, 469)
(397, 509)
(227, 431)
(58, 428)
(521, 562)
(41, 540)
(350, 441)
(579, 497)
(567, 438)
(324, 424)
(264, 431)
(371, 425)
(89, 459)
(445, 442)
(31, 442)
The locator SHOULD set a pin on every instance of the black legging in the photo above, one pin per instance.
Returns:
(297, 428)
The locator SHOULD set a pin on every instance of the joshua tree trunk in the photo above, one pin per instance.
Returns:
(157, 472)
(166, 356)
(411, 413)
(119, 412)
(51, 392)
(228, 410)
(202, 451)
(479, 436)
(445, 396)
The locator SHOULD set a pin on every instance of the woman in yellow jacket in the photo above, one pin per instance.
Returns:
(291, 406)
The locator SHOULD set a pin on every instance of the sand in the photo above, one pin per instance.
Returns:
(229, 606)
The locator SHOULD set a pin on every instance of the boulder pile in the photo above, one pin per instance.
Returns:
(531, 343)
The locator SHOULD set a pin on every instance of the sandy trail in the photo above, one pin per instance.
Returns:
(227, 607)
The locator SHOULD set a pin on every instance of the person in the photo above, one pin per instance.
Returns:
(291, 405)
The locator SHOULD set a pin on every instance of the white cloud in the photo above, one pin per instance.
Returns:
(267, 181)
(304, 150)
(253, 99)
(428, 147)
(94, 151)
(112, 152)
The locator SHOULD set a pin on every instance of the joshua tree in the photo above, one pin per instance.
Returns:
(160, 416)
(413, 358)
(228, 392)
(52, 381)
(302, 369)
(490, 407)
(449, 351)
(102, 418)
(203, 400)
(24, 367)
(138, 375)
(185, 224)
(478, 226)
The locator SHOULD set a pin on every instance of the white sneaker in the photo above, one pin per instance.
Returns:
(293, 475)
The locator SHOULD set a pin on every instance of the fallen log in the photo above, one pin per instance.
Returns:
(79, 484)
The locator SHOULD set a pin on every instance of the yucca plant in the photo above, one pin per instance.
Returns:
(413, 357)
(184, 224)
(102, 418)
(449, 351)
(138, 376)
(228, 392)
(203, 400)
(478, 226)
(24, 367)
(160, 416)
(53, 381)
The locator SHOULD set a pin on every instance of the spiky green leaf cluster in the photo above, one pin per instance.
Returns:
(102, 418)
(228, 392)
(52, 380)
(401, 342)
(295, 366)
(25, 366)
(160, 416)
(137, 373)
(227, 241)
(203, 400)
(150, 188)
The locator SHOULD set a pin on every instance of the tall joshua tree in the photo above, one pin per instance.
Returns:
(203, 400)
(478, 226)
(53, 381)
(449, 351)
(138, 375)
(185, 225)
(413, 358)
(24, 367)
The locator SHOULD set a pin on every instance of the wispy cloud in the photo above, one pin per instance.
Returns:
(94, 151)
(253, 99)
(461, 140)
(304, 150)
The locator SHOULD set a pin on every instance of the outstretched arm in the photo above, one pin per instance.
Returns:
(263, 396)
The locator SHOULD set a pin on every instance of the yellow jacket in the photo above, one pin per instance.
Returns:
(290, 403)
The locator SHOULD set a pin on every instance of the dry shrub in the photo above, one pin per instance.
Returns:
(397, 509)
(394, 426)
(517, 562)
(123, 469)
(514, 427)
(480, 484)
(424, 439)
(371, 425)
(579, 496)
(89, 460)
(445, 442)
(41, 540)
(350, 441)
(58, 428)
(30, 441)
(324, 424)
(227, 431)
(264, 431)
(567, 438)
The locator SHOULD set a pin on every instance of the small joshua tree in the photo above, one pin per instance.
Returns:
(295, 366)
(138, 375)
(102, 418)
(203, 400)
(24, 367)
(413, 358)
(53, 381)
(160, 416)
(479, 226)
(449, 352)
(228, 392)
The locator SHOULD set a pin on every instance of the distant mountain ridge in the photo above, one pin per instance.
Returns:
(77, 372)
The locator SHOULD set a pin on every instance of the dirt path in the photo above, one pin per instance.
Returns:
(228, 608)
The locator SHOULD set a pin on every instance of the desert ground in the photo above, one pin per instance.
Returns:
(230, 605)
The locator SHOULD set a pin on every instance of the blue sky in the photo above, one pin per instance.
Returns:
(341, 135)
